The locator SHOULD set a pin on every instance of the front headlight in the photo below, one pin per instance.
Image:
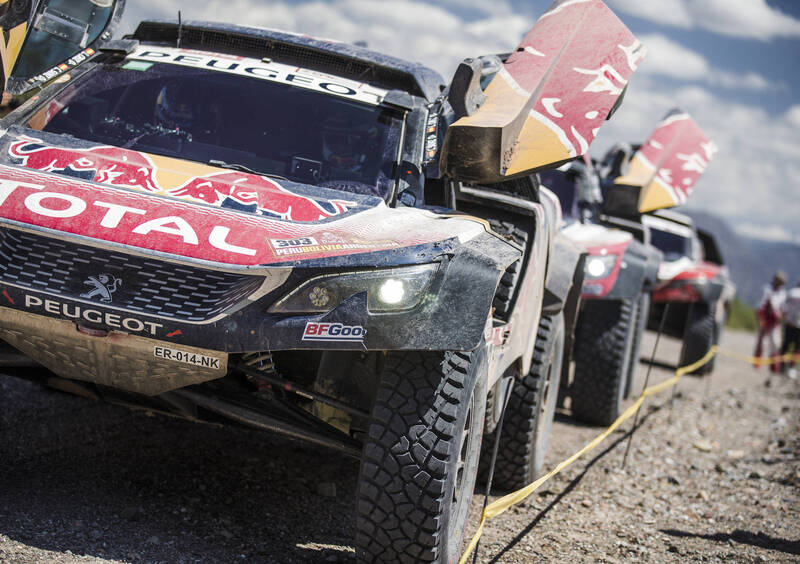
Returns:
(599, 266)
(391, 289)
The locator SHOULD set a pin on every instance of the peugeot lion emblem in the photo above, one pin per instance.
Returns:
(103, 285)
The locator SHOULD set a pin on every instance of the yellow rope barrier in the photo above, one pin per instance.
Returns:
(500, 506)
(761, 361)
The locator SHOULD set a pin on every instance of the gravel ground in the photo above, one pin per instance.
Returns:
(82, 481)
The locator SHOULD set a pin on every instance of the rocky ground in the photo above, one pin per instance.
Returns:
(714, 478)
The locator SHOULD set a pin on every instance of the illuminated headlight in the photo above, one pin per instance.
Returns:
(391, 289)
(600, 266)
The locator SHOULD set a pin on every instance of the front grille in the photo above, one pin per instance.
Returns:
(143, 285)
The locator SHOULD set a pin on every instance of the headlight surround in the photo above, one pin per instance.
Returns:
(388, 290)
(600, 266)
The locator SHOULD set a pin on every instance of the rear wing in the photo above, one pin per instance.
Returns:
(549, 99)
(663, 172)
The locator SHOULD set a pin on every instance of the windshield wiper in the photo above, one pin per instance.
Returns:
(242, 168)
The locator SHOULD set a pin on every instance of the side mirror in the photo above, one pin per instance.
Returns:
(409, 184)
(465, 93)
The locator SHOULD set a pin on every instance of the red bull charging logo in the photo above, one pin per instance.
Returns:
(139, 171)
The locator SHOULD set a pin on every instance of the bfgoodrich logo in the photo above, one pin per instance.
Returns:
(333, 332)
(103, 285)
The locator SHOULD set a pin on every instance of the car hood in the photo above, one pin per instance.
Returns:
(591, 236)
(68, 186)
(177, 178)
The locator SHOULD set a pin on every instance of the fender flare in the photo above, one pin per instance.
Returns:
(563, 275)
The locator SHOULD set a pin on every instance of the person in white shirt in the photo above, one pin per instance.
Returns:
(769, 319)
(791, 330)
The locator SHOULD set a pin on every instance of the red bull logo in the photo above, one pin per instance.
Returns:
(131, 169)
(258, 194)
(107, 165)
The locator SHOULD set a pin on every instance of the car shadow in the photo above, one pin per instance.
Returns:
(759, 539)
(571, 486)
(659, 364)
(102, 481)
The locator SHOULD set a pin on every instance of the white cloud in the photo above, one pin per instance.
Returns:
(793, 115)
(414, 30)
(667, 12)
(775, 233)
(666, 57)
(669, 58)
(754, 177)
(752, 19)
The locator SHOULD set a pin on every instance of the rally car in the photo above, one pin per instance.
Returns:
(302, 236)
(641, 181)
(695, 290)
(620, 271)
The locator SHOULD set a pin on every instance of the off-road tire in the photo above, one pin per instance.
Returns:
(529, 413)
(700, 335)
(603, 345)
(642, 312)
(504, 297)
(416, 459)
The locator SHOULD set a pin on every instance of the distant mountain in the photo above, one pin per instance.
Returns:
(752, 262)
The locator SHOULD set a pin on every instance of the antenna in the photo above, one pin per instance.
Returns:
(180, 29)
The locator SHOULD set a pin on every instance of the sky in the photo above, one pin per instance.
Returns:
(732, 64)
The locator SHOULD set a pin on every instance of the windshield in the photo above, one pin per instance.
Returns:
(673, 246)
(211, 117)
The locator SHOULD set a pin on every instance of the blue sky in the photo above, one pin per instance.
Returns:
(733, 64)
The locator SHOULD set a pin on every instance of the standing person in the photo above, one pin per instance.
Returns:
(769, 318)
(791, 331)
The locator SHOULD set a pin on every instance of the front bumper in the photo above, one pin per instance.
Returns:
(688, 291)
(116, 359)
(50, 312)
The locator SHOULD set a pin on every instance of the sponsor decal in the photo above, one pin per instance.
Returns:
(270, 71)
(497, 336)
(431, 139)
(62, 205)
(103, 286)
(59, 206)
(186, 357)
(312, 245)
(132, 169)
(74, 61)
(337, 332)
(81, 313)
(279, 244)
